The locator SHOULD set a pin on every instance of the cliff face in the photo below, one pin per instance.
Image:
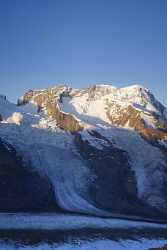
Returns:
(134, 119)
(127, 116)
(48, 101)
(66, 121)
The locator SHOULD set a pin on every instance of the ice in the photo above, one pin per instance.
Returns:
(143, 244)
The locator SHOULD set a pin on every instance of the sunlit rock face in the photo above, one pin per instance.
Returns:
(48, 100)
(100, 150)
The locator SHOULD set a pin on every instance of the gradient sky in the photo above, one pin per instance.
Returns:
(82, 42)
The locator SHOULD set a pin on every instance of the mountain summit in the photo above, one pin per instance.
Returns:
(132, 107)
(102, 148)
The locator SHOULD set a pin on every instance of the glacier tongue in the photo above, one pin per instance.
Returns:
(53, 154)
(68, 175)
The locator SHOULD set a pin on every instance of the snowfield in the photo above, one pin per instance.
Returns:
(65, 222)
(143, 244)
(91, 107)
(72, 222)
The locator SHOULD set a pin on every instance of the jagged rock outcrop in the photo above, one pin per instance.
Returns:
(133, 107)
(22, 188)
(66, 121)
(48, 101)
(128, 115)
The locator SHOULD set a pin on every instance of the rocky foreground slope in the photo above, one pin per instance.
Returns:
(103, 149)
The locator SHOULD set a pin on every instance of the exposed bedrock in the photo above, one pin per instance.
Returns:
(64, 120)
(48, 101)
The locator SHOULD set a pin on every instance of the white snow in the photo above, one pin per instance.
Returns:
(95, 142)
(52, 152)
(16, 118)
(90, 105)
(66, 222)
(148, 162)
(103, 244)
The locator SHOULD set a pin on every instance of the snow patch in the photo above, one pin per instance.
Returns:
(16, 118)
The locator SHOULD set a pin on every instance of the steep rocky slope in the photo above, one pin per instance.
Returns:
(104, 149)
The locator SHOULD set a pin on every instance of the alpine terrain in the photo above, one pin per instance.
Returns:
(99, 151)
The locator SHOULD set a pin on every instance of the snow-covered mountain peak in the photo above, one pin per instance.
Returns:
(133, 91)
(101, 103)
(125, 96)
(135, 87)
(84, 139)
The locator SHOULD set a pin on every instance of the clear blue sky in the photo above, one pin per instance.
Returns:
(81, 42)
